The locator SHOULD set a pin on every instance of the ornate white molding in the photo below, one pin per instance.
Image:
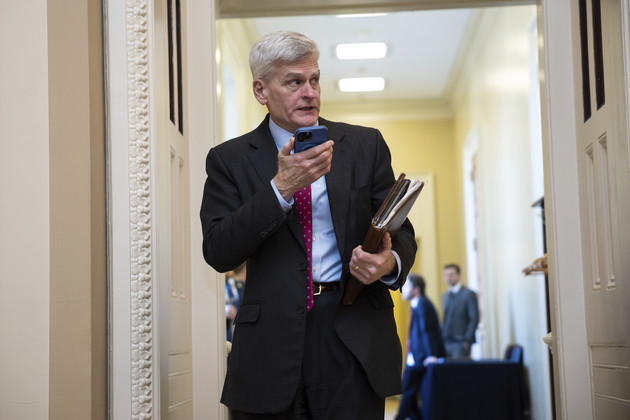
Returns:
(140, 237)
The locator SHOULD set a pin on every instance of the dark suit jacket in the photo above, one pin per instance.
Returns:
(425, 338)
(461, 315)
(242, 220)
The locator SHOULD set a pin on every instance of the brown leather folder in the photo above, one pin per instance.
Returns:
(389, 218)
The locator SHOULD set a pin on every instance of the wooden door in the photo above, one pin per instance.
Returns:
(604, 179)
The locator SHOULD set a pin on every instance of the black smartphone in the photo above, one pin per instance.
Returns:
(307, 137)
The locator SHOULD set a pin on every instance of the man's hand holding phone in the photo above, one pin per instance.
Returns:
(297, 170)
(308, 137)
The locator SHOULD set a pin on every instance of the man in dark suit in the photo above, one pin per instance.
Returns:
(461, 315)
(291, 359)
(424, 346)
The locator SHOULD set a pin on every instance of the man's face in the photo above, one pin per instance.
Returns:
(451, 277)
(292, 94)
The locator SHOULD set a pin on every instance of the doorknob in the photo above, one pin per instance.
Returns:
(548, 339)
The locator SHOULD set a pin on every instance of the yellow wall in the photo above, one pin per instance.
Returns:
(429, 145)
(426, 145)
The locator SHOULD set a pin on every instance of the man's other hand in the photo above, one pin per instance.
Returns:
(367, 268)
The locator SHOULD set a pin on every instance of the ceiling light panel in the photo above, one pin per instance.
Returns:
(361, 51)
(362, 84)
(360, 15)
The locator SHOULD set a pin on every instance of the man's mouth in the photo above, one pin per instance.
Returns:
(306, 108)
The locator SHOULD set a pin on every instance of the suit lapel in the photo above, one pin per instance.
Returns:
(338, 182)
(264, 154)
(264, 158)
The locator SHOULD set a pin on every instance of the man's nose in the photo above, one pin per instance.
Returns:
(308, 91)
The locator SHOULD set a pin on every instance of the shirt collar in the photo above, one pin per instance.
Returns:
(455, 288)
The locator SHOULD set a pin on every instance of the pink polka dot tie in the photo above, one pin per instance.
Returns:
(303, 203)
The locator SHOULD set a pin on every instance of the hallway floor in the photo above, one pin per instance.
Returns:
(391, 407)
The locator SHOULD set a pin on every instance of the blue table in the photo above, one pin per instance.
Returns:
(470, 390)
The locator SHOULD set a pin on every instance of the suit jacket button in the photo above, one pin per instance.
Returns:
(300, 309)
(303, 267)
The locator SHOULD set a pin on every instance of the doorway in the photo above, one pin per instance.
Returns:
(431, 138)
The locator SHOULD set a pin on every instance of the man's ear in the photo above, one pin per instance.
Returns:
(259, 91)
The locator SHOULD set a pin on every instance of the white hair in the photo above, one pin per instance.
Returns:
(277, 48)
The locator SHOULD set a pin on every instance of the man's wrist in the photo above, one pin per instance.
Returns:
(286, 204)
(395, 271)
(284, 192)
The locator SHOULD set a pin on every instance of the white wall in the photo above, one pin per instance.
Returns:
(493, 96)
(24, 211)
(208, 287)
(237, 36)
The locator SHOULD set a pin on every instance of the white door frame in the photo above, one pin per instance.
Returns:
(131, 86)
(130, 92)
(568, 318)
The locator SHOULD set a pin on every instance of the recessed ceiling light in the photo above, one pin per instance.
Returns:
(362, 84)
(360, 51)
(360, 15)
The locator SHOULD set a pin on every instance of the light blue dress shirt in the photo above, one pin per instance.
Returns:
(326, 259)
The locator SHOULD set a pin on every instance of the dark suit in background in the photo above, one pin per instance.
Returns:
(424, 343)
(461, 316)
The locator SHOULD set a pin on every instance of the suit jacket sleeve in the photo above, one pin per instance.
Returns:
(431, 326)
(225, 215)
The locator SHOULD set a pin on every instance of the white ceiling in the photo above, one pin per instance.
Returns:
(422, 47)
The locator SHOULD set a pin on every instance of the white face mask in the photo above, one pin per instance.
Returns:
(407, 290)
